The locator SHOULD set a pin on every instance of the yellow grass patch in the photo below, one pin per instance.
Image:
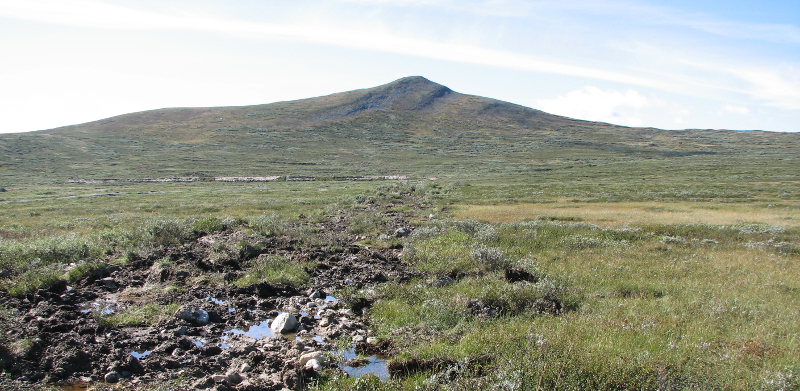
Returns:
(786, 214)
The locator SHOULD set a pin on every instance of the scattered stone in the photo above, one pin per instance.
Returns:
(314, 365)
(111, 377)
(234, 377)
(317, 295)
(284, 323)
(245, 368)
(402, 232)
(196, 315)
(316, 355)
(219, 378)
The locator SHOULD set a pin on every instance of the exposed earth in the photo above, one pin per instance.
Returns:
(220, 336)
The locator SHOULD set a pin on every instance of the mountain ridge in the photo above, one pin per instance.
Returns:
(410, 126)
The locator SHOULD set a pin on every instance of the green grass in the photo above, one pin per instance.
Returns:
(274, 269)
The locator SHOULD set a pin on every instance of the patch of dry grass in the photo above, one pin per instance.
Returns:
(784, 213)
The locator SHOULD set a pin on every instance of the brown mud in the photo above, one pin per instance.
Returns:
(66, 341)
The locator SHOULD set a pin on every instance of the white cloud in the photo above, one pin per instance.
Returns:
(501, 8)
(736, 109)
(594, 104)
(99, 15)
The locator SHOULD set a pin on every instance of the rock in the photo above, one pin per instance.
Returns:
(108, 282)
(245, 368)
(2, 190)
(317, 295)
(234, 377)
(219, 378)
(196, 315)
(402, 232)
(316, 355)
(358, 338)
(313, 364)
(111, 377)
(372, 340)
(283, 323)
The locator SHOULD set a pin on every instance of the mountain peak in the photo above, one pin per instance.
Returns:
(405, 94)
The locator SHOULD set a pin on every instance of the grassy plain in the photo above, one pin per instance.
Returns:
(653, 294)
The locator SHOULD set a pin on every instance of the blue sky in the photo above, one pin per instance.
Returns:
(675, 64)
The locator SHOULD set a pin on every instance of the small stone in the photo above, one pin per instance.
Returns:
(219, 378)
(402, 232)
(316, 295)
(196, 315)
(316, 355)
(245, 368)
(358, 338)
(313, 364)
(111, 377)
(349, 282)
(234, 377)
(372, 340)
(283, 323)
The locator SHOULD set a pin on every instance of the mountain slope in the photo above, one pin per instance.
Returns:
(411, 126)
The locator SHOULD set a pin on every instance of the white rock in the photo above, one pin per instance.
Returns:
(313, 364)
(283, 323)
(315, 355)
(372, 340)
(245, 368)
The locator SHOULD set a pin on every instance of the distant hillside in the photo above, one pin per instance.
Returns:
(411, 126)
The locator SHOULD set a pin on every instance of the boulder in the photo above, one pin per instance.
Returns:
(283, 323)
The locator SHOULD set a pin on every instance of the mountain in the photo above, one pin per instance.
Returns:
(411, 126)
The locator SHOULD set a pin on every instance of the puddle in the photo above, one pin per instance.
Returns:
(142, 355)
(375, 365)
(104, 306)
(216, 301)
(256, 331)
(104, 311)
(331, 299)
(199, 344)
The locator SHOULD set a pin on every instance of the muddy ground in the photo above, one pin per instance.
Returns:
(66, 342)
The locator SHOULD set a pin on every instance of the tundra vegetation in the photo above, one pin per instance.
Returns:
(575, 256)
(658, 289)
